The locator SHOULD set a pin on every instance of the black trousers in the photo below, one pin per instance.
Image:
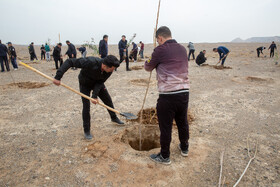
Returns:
(56, 62)
(171, 107)
(258, 52)
(33, 56)
(191, 52)
(103, 95)
(4, 60)
(271, 53)
(103, 56)
(43, 56)
(126, 60)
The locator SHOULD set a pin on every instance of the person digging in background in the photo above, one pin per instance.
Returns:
(57, 55)
(103, 47)
(123, 52)
(171, 62)
(223, 51)
(272, 47)
(133, 53)
(83, 51)
(3, 57)
(192, 50)
(94, 73)
(200, 59)
(12, 55)
(260, 50)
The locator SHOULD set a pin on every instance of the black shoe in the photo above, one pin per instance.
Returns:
(88, 136)
(128, 70)
(118, 121)
(159, 159)
(183, 152)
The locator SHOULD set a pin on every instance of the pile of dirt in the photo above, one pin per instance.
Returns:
(150, 117)
(256, 79)
(216, 67)
(27, 85)
(150, 138)
(141, 82)
(137, 67)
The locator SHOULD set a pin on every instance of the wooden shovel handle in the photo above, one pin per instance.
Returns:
(68, 87)
(223, 58)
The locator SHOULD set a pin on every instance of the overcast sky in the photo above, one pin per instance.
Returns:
(24, 21)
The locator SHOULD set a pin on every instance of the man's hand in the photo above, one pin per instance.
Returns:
(72, 55)
(124, 50)
(95, 101)
(56, 82)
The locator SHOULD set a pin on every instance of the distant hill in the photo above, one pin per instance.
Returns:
(257, 40)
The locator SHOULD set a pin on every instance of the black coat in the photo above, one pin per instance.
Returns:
(31, 49)
(12, 52)
(57, 52)
(103, 48)
(3, 50)
(122, 46)
(90, 75)
(272, 47)
(200, 59)
(71, 50)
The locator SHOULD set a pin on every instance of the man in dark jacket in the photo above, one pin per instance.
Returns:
(260, 50)
(32, 52)
(43, 52)
(12, 55)
(94, 72)
(272, 47)
(123, 51)
(57, 55)
(103, 47)
(134, 51)
(141, 52)
(71, 52)
(200, 59)
(171, 63)
(223, 51)
(3, 57)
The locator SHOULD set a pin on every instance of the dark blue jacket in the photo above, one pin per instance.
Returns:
(71, 50)
(135, 48)
(272, 47)
(103, 48)
(222, 51)
(82, 49)
(122, 46)
(3, 50)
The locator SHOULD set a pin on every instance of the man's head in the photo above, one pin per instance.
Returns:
(123, 37)
(264, 47)
(163, 34)
(273, 42)
(215, 49)
(105, 37)
(204, 51)
(67, 42)
(59, 45)
(133, 43)
(140, 42)
(32, 43)
(9, 44)
(110, 63)
(46, 44)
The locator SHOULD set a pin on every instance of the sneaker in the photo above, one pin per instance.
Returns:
(16, 69)
(183, 153)
(128, 70)
(88, 136)
(117, 120)
(159, 159)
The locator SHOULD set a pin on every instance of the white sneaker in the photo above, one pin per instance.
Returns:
(16, 69)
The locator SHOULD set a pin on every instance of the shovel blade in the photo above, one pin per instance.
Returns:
(129, 115)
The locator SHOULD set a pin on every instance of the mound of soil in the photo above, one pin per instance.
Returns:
(255, 79)
(137, 67)
(27, 85)
(216, 67)
(150, 138)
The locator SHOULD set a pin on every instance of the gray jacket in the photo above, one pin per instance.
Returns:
(191, 46)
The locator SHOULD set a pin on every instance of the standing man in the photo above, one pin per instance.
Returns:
(103, 47)
(192, 49)
(141, 52)
(71, 52)
(94, 73)
(123, 52)
(43, 52)
(83, 51)
(260, 50)
(3, 57)
(200, 59)
(272, 47)
(32, 52)
(170, 60)
(12, 55)
(223, 51)
(48, 52)
(57, 55)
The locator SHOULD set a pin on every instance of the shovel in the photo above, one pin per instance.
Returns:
(223, 58)
(126, 115)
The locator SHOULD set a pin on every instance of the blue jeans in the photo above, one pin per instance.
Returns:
(223, 61)
(141, 52)
(14, 62)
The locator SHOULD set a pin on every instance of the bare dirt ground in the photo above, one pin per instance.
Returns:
(41, 135)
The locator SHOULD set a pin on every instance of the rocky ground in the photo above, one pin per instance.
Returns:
(41, 135)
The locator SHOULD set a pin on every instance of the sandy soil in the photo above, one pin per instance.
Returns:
(41, 135)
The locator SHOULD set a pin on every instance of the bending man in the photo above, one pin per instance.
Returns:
(223, 51)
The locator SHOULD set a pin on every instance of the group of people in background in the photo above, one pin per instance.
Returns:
(272, 47)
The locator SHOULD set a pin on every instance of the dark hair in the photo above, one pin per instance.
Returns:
(105, 36)
(204, 50)
(164, 32)
(110, 61)
(59, 44)
(123, 36)
(214, 49)
(32, 43)
(67, 41)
